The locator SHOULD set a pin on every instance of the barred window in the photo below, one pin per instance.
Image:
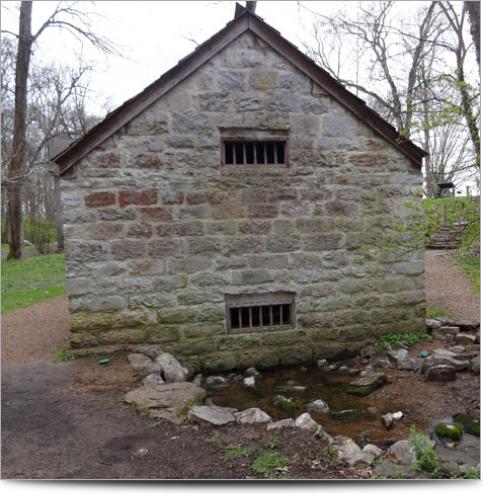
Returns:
(249, 313)
(254, 152)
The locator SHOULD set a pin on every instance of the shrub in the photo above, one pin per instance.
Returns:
(426, 457)
(408, 337)
(267, 462)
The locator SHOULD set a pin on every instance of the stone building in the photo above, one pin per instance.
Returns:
(225, 212)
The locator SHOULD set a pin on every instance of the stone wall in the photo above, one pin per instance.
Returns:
(157, 231)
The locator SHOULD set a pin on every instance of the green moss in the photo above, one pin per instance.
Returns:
(449, 432)
(469, 424)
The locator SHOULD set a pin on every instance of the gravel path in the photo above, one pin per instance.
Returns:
(33, 334)
(448, 289)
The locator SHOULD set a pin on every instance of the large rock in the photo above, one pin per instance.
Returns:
(445, 333)
(401, 453)
(306, 422)
(465, 339)
(441, 373)
(441, 356)
(166, 401)
(143, 365)
(349, 452)
(213, 414)
(153, 380)
(281, 424)
(252, 416)
(367, 384)
(171, 369)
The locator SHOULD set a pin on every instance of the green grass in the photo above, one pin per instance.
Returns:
(234, 452)
(471, 267)
(63, 354)
(26, 248)
(32, 280)
(268, 462)
(426, 457)
(408, 337)
(432, 312)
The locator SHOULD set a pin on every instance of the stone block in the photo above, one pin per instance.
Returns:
(100, 199)
(137, 198)
(144, 230)
(263, 79)
(128, 249)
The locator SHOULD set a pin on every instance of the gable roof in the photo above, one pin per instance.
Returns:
(245, 21)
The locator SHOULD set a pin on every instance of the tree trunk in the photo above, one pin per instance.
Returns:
(58, 214)
(17, 163)
(473, 9)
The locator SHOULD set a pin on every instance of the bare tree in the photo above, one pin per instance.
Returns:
(78, 23)
(473, 9)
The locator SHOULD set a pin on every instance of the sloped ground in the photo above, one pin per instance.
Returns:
(448, 289)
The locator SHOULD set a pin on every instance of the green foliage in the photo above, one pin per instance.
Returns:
(273, 443)
(469, 473)
(267, 462)
(449, 432)
(432, 312)
(41, 232)
(426, 457)
(471, 267)
(408, 337)
(31, 280)
(63, 354)
(234, 452)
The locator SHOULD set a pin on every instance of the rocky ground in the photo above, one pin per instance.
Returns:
(144, 416)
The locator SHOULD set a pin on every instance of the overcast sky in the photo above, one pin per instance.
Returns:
(153, 36)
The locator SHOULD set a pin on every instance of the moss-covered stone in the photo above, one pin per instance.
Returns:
(469, 423)
(449, 432)
(367, 384)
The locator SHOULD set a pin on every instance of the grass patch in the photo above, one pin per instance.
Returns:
(32, 280)
(64, 354)
(273, 443)
(234, 452)
(268, 462)
(426, 457)
(408, 337)
(432, 312)
(471, 268)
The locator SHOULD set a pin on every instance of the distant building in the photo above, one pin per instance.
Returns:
(221, 211)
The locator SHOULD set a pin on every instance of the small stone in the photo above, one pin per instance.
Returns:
(306, 422)
(212, 414)
(401, 453)
(141, 452)
(344, 370)
(303, 369)
(387, 420)
(284, 403)
(397, 416)
(433, 324)
(372, 450)
(252, 416)
(143, 365)
(350, 453)
(445, 333)
(457, 349)
(153, 380)
(322, 363)
(442, 373)
(332, 367)
(367, 351)
(215, 380)
(318, 405)
(367, 384)
(465, 339)
(280, 424)
(249, 382)
(384, 363)
(171, 369)
(449, 433)
(469, 423)
(197, 380)
(251, 371)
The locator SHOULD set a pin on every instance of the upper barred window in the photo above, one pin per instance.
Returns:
(268, 152)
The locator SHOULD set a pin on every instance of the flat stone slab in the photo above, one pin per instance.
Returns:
(252, 416)
(166, 401)
(212, 414)
(367, 384)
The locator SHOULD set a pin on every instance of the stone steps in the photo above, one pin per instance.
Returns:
(447, 237)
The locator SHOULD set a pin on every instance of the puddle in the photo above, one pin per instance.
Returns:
(358, 417)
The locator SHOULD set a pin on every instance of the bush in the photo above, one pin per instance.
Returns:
(42, 233)
(426, 457)
(408, 337)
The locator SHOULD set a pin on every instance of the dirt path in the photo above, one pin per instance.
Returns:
(448, 289)
(35, 333)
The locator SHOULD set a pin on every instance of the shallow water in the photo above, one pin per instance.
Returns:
(363, 424)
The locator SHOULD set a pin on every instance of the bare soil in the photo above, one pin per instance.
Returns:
(68, 420)
(447, 288)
